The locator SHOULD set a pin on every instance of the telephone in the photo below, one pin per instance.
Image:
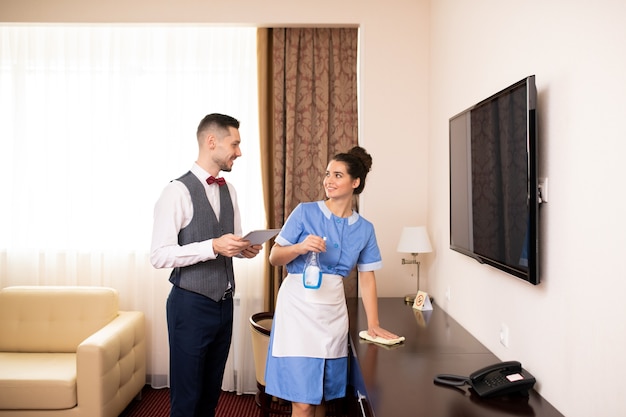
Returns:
(497, 379)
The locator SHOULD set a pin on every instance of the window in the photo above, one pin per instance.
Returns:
(95, 120)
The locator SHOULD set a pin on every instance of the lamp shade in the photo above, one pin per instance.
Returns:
(414, 240)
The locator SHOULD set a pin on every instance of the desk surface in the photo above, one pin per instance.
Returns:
(398, 380)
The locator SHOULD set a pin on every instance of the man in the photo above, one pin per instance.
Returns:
(196, 232)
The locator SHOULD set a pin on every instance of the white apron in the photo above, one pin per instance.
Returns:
(311, 322)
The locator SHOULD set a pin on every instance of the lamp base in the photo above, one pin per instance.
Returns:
(410, 299)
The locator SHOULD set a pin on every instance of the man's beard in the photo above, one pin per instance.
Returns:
(224, 166)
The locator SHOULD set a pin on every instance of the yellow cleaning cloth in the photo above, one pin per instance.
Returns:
(363, 335)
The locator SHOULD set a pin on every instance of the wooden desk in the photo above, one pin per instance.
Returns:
(398, 381)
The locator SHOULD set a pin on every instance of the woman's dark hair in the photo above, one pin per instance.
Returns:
(358, 163)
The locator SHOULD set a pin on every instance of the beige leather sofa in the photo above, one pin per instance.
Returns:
(68, 351)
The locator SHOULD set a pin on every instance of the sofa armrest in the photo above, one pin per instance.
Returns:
(111, 365)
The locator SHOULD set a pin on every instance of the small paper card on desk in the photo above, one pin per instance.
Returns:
(381, 340)
(258, 237)
(422, 302)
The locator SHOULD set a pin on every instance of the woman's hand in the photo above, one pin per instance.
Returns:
(379, 331)
(282, 255)
(312, 243)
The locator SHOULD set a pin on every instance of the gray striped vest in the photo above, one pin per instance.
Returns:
(209, 278)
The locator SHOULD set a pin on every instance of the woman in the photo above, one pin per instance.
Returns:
(308, 353)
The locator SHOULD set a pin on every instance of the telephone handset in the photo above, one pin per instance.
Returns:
(497, 379)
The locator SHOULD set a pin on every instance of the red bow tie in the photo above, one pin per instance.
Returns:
(220, 181)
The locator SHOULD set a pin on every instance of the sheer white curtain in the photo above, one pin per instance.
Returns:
(94, 121)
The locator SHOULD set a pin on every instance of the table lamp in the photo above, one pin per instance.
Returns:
(414, 240)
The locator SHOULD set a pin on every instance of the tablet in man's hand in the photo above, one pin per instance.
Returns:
(258, 237)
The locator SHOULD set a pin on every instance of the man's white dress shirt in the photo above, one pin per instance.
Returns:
(173, 211)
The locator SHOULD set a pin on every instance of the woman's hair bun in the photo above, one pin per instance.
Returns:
(363, 156)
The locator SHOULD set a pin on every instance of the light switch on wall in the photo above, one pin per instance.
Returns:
(543, 190)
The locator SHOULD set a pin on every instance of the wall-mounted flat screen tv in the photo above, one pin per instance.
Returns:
(494, 201)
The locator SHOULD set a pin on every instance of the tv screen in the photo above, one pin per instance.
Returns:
(494, 200)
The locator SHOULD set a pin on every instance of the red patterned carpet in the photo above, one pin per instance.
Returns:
(156, 403)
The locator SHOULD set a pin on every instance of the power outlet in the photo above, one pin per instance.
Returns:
(448, 293)
(504, 335)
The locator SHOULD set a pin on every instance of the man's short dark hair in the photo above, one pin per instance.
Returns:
(217, 121)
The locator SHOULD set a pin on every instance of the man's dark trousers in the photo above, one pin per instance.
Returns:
(200, 332)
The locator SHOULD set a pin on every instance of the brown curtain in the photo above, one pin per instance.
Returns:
(309, 114)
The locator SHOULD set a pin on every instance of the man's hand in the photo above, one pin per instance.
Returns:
(251, 251)
(231, 245)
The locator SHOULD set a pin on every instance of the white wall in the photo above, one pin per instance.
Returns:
(569, 331)
(423, 61)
